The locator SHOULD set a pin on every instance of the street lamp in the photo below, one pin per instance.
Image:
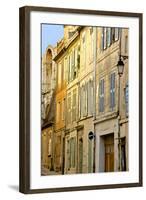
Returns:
(120, 66)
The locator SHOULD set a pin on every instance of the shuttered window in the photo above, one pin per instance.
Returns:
(102, 38)
(105, 35)
(74, 105)
(101, 95)
(84, 50)
(63, 109)
(112, 91)
(108, 37)
(84, 100)
(69, 108)
(91, 43)
(116, 34)
(90, 98)
(127, 99)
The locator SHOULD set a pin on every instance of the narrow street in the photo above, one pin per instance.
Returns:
(46, 172)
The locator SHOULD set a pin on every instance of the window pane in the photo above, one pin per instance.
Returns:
(108, 36)
(116, 34)
(104, 38)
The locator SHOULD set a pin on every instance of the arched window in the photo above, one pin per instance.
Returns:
(49, 63)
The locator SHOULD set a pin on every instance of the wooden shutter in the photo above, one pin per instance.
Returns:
(101, 95)
(74, 105)
(69, 108)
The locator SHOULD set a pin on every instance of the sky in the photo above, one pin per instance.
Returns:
(50, 35)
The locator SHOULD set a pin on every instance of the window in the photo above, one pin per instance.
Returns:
(74, 105)
(65, 69)
(116, 34)
(108, 36)
(101, 95)
(127, 99)
(78, 57)
(102, 38)
(104, 46)
(84, 49)
(84, 100)
(70, 67)
(112, 91)
(49, 147)
(69, 108)
(91, 43)
(76, 62)
(72, 152)
(72, 64)
(63, 109)
(90, 98)
(62, 71)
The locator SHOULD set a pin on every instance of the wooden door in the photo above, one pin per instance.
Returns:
(80, 155)
(109, 153)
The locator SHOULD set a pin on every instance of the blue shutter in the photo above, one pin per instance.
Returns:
(127, 99)
(112, 90)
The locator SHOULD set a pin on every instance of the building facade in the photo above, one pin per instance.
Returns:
(89, 130)
(111, 123)
(48, 108)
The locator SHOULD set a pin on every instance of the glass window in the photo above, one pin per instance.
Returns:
(108, 36)
(105, 38)
(116, 34)
(102, 38)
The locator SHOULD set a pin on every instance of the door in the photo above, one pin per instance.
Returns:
(80, 155)
(109, 153)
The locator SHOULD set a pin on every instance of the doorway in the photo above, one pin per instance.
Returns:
(109, 152)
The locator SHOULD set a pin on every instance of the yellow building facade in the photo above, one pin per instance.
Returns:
(90, 127)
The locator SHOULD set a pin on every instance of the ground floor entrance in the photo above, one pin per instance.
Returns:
(109, 152)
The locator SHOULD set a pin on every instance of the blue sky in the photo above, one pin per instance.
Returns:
(50, 35)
